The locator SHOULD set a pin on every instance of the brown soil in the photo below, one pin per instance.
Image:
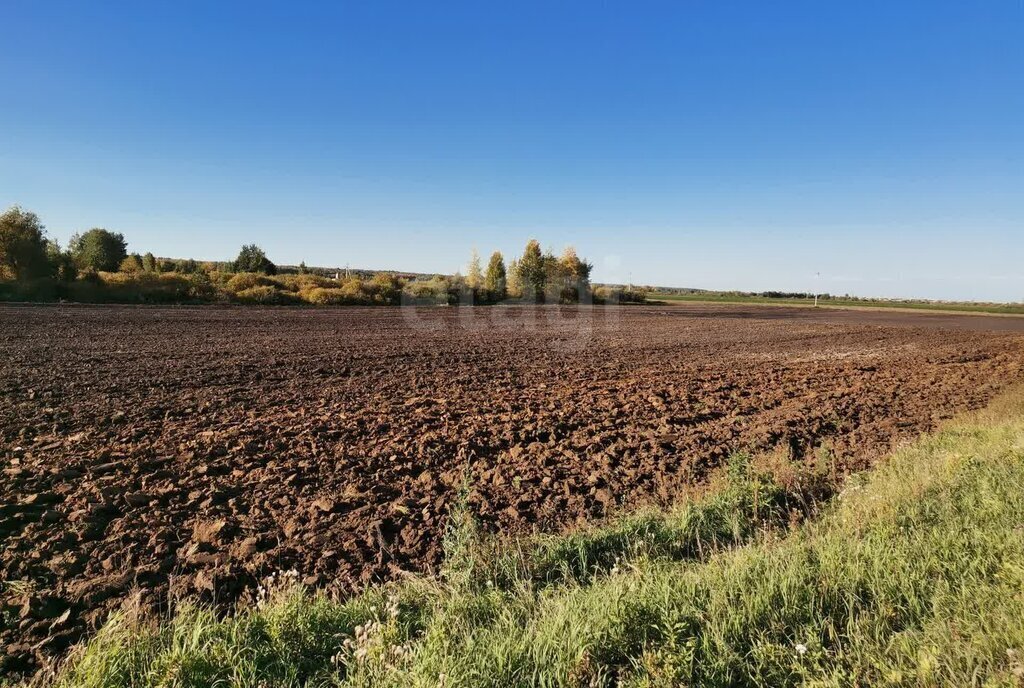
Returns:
(192, 451)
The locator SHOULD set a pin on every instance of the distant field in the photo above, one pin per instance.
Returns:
(1011, 309)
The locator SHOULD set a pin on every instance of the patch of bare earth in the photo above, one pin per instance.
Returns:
(191, 451)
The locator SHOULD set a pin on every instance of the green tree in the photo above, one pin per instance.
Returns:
(23, 249)
(303, 270)
(98, 250)
(494, 279)
(252, 259)
(574, 275)
(514, 284)
(149, 262)
(62, 265)
(186, 266)
(554, 280)
(531, 271)
(474, 275)
(133, 263)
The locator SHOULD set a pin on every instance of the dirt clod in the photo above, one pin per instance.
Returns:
(224, 444)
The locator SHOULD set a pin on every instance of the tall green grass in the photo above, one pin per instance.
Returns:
(912, 576)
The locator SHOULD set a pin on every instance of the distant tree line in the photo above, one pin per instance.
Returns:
(536, 276)
(771, 294)
(27, 254)
(96, 265)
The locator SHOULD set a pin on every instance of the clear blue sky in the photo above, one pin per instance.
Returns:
(716, 144)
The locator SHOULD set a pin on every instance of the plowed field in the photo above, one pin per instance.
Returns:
(194, 450)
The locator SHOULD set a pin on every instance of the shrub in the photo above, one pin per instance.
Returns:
(40, 289)
(266, 296)
(220, 278)
(142, 287)
(433, 292)
(244, 281)
(322, 296)
(612, 295)
(187, 266)
(353, 290)
(133, 263)
(61, 262)
(304, 282)
(385, 288)
(201, 288)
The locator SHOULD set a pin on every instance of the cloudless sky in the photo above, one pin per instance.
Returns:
(715, 144)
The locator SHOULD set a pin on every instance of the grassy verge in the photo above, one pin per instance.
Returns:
(912, 575)
(986, 308)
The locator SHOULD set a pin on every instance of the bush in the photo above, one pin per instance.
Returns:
(244, 281)
(353, 290)
(612, 295)
(304, 282)
(202, 289)
(140, 287)
(220, 278)
(41, 289)
(437, 291)
(326, 297)
(116, 287)
(266, 296)
(384, 288)
(62, 263)
(133, 263)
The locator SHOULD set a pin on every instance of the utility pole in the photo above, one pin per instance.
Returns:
(817, 277)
